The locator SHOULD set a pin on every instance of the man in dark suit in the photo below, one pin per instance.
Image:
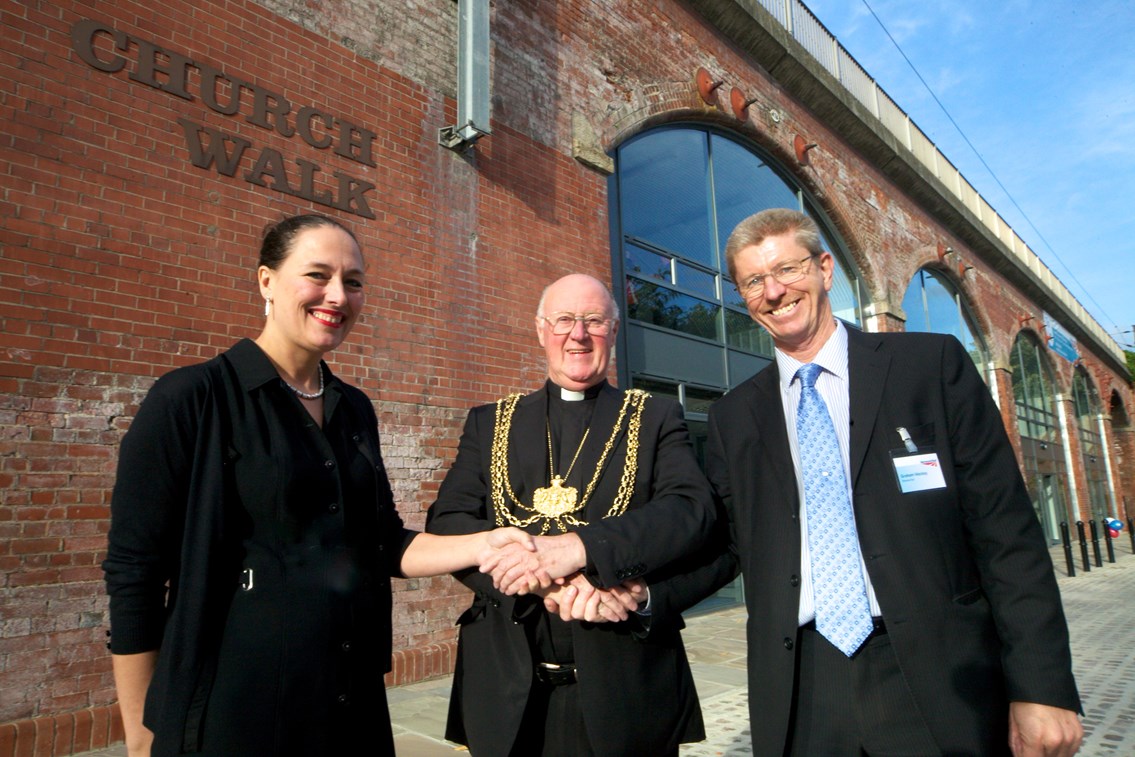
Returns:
(901, 597)
(609, 481)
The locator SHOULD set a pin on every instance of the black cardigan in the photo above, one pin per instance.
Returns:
(172, 533)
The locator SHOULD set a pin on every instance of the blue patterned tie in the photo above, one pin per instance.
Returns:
(843, 616)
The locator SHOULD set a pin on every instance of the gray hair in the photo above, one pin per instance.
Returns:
(612, 306)
(771, 223)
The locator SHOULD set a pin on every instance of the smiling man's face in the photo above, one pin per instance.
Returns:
(576, 360)
(797, 315)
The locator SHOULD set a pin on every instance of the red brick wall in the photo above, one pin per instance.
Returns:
(120, 259)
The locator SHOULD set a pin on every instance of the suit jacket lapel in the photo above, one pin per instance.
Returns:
(603, 417)
(772, 438)
(867, 369)
(528, 445)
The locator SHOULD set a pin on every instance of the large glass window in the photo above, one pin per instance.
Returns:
(933, 304)
(1088, 423)
(680, 191)
(1039, 429)
(668, 193)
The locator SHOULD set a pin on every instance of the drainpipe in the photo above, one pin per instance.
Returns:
(472, 77)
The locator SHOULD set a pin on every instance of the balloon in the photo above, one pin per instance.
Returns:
(1113, 532)
(1115, 524)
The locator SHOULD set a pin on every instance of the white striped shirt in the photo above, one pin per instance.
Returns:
(832, 385)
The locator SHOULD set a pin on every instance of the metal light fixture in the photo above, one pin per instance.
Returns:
(740, 103)
(802, 146)
(707, 86)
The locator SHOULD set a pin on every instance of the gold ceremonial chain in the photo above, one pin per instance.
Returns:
(550, 503)
(556, 499)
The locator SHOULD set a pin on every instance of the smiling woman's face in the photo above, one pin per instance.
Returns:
(317, 291)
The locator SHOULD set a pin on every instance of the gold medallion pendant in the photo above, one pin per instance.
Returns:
(555, 500)
(555, 504)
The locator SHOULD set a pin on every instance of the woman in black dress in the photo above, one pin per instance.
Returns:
(253, 534)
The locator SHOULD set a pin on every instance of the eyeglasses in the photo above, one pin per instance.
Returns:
(593, 323)
(789, 273)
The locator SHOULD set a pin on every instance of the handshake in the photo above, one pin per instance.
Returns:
(550, 566)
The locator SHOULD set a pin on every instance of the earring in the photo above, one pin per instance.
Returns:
(267, 306)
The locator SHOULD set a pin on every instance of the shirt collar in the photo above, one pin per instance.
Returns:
(558, 392)
(832, 357)
(254, 369)
(252, 366)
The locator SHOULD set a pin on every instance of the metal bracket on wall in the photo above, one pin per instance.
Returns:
(472, 77)
(459, 138)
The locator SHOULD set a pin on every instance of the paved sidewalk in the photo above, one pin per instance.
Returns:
(1100, 605)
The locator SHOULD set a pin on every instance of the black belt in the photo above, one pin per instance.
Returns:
(555, 674)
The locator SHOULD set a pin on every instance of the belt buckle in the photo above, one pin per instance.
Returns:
(555, 674)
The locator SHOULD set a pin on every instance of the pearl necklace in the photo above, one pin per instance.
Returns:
(305, 395)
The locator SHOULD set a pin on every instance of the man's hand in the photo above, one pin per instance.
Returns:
(517, 561)
(518, 571)
(501, 541)
(1040, 730)
(502, 537)
(638, 591)
(577, 599)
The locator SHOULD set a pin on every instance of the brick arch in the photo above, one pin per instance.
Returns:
(923, 256)
(865, 270)
(1117, 410)
(926, 257)
(680, 103)
(1050, 369)
(1094, 389)
(664, 103)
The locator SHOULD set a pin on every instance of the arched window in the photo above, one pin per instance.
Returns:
(1039, 428)
(1088, 422)
(1119, 419)
(679, 191)
(933, 304)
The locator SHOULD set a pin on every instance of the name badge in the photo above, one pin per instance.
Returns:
(919, 472)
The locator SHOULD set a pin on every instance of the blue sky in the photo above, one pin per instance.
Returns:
(1045, 92)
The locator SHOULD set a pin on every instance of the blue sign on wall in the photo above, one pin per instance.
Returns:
(1059, 340)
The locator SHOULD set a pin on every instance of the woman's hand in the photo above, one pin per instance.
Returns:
(434, 554)
(502, 537)
(521, 571)
(132, 674)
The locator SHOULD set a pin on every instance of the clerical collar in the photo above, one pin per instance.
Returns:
(569, 395)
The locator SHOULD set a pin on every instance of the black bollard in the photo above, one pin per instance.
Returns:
(1131, 532)
(1096, 544)
(1067, 541)
(1107, 540)
(1083, 546)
